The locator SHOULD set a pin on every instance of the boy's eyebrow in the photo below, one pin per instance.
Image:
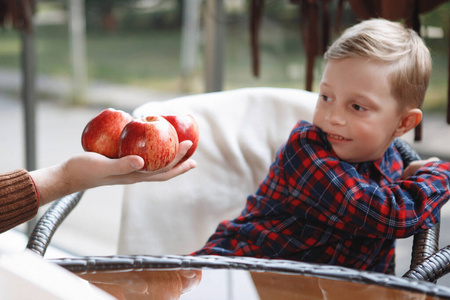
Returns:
(323, 84)
(362, 95)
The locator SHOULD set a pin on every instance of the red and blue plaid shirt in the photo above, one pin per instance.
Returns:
(313, 207)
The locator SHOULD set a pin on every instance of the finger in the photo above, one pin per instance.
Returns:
(184, 167)
(188, 273)
(136, 162)
(183, 148)
(175, 171)
(111, 166)
(189, 279)
(434, 158)
(127, 164)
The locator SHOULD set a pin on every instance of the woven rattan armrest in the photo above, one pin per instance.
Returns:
(425, 243)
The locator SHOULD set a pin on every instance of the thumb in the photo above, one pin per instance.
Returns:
(130, 163)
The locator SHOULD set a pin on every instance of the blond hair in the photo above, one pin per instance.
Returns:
(402, 50)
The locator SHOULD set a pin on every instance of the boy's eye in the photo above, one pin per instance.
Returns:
(358, 107)
(325, 98)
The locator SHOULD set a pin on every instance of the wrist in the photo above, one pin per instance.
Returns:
(51, 183)
(71, 180)
(36, 189)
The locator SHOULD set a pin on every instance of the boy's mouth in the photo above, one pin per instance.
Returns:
(335, 137)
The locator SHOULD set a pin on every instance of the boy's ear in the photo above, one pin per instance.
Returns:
(409, 120)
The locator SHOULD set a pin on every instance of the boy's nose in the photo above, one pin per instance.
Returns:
(336, 117)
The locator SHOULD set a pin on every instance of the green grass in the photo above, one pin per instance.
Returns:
(436, 97)
(9, 49)
(125, 58)
(145, 59)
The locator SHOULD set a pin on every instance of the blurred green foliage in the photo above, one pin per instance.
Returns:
(133, 15)
(143, 47)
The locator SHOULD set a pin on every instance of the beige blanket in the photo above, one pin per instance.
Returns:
(240, 132)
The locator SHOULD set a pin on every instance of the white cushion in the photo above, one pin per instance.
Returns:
(240, 132)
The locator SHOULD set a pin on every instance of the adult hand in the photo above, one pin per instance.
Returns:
(88, 170)
(125, 170)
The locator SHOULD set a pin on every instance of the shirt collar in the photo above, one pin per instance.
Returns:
(390, 165)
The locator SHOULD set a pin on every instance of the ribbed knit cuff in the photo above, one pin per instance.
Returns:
(19, 200)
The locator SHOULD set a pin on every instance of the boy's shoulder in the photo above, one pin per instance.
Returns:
(305, 132)
(305, 140)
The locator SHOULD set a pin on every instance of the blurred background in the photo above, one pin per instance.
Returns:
(160, 45)
(92, 54)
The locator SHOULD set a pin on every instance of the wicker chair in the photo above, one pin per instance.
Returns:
(427, 264)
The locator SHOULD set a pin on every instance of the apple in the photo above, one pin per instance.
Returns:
(187, 129)
(153, 138)
(102, 133)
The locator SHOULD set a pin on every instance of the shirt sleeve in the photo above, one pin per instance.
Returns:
(19, 200)
(333, 191)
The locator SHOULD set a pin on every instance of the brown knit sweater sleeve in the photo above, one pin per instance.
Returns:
(19, 199)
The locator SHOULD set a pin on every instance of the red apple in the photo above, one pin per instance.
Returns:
(152, 138)
(102, 133)
(187, 129)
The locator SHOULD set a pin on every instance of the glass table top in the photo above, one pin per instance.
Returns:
(214, 277)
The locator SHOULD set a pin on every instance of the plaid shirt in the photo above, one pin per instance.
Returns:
(313, 207)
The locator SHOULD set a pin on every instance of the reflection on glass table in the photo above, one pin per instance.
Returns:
(168, 277)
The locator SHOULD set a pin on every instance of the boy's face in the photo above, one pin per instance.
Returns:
(356, 109)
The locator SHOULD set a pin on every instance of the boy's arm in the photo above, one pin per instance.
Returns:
(416, 165)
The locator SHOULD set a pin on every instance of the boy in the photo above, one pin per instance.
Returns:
(337, 192)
